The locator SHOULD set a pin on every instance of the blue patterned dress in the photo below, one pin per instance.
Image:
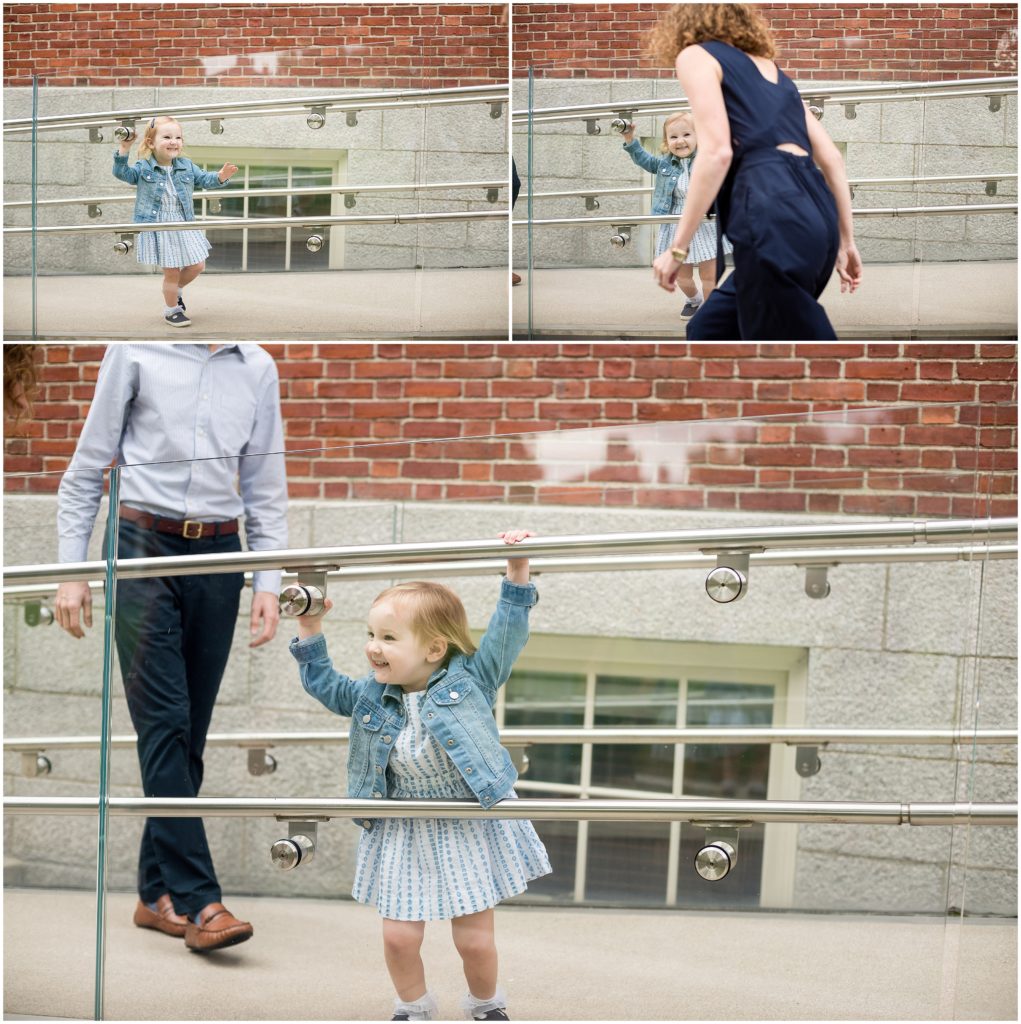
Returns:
(433, 869)
(171, 248)
(703, 243)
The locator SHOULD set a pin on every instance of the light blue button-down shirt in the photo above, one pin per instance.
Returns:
(189, 426)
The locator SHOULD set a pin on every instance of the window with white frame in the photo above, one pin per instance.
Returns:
(614, 683)
(278, 248)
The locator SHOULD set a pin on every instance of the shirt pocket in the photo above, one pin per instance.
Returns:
(366, 722)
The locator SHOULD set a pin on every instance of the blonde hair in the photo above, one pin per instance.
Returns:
(686, 24)
(681, 115)
(435, 611)
(145, 147)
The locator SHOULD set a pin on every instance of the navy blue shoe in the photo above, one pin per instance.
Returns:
(180, 302)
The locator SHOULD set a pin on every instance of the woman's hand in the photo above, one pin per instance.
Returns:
(849, 267)
(517, 568)
(664, 270)
(227, 171)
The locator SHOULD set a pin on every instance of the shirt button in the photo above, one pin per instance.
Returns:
(366, 719)
(454, 695)
(386, 739)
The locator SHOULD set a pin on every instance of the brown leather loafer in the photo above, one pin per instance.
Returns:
(215, 927)
(162, 919)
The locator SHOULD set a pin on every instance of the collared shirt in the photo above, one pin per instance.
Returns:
(189, 427)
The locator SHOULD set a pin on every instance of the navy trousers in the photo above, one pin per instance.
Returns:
(782, 221)
(173, 637)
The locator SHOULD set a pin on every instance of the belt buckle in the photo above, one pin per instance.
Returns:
(188, 526)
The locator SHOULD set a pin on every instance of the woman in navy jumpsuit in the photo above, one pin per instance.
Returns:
(789, 221)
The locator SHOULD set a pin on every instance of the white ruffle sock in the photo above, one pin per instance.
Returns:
(425, 1008)
(473, 1006)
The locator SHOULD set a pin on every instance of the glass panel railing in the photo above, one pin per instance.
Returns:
(856, 609)
(53, 686)
(341, 168)
(586, 223)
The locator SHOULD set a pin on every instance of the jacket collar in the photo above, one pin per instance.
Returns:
(177, 165)
(395, 693)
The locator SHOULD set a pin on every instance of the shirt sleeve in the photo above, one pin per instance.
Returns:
(81, 487)
(262, 476)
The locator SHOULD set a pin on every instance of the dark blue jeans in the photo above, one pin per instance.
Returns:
(173, 637)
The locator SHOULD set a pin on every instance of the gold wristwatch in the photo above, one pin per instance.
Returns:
(679, 254)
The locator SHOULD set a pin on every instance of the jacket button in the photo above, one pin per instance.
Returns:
(366, 719)
(450, 743)
(386, 739)
(376, 795)
(379, 771)
(367, 825)
(468, 771)
(454, 695)
(430, 715)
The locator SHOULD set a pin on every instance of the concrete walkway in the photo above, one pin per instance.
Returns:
(322, 960)
(338, 305)
(895, 301)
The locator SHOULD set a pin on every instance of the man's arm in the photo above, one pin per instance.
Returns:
(263, 482)
(81, 488)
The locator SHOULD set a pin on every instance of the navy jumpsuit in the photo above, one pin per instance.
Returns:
(778, 211)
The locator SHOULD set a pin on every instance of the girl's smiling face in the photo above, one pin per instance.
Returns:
(396, 653)
(167, 142)
(680, 138)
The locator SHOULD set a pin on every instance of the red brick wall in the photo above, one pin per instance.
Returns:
(318, 45)
(932, 444)
(912, 42)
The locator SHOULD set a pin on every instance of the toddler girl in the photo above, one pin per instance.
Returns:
(165, 181)
(422, 727)
(673, 176)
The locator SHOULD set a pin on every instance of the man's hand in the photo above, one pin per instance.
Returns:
(265, 616)
(73, 599)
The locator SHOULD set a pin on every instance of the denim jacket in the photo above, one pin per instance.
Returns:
(185, 175)
(457, 710)
(666, 169)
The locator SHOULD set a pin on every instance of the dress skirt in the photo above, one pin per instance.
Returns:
(433, 869)
(172, 249)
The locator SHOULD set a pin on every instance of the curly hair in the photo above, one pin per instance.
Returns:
(20, 386)
(148, 142)
(686, 24)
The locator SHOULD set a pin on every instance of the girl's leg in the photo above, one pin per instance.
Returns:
(188, 274)
(707, 276)
(686, 280)
(475, 939)
(171, 284)
(402, 942)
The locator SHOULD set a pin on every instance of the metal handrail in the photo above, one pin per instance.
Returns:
(664, 218)
(520, 736)
(239, 193)
(595, 193)
(618, 563)
(838, 94)
(696, 811)
(238, 223)
(258, 108)
(946, 531)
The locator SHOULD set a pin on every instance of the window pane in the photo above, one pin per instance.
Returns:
(312, 206)
(228, 248)
(735, 771)
(627, 862)
(545, 699)
(635, 702)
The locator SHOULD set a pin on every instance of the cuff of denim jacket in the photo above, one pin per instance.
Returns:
(310, 649)
(523, 594)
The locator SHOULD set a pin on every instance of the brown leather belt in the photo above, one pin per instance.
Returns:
(190, 529)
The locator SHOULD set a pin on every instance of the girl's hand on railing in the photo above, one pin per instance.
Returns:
(311, 625)
(227, 171)
(517, 568)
